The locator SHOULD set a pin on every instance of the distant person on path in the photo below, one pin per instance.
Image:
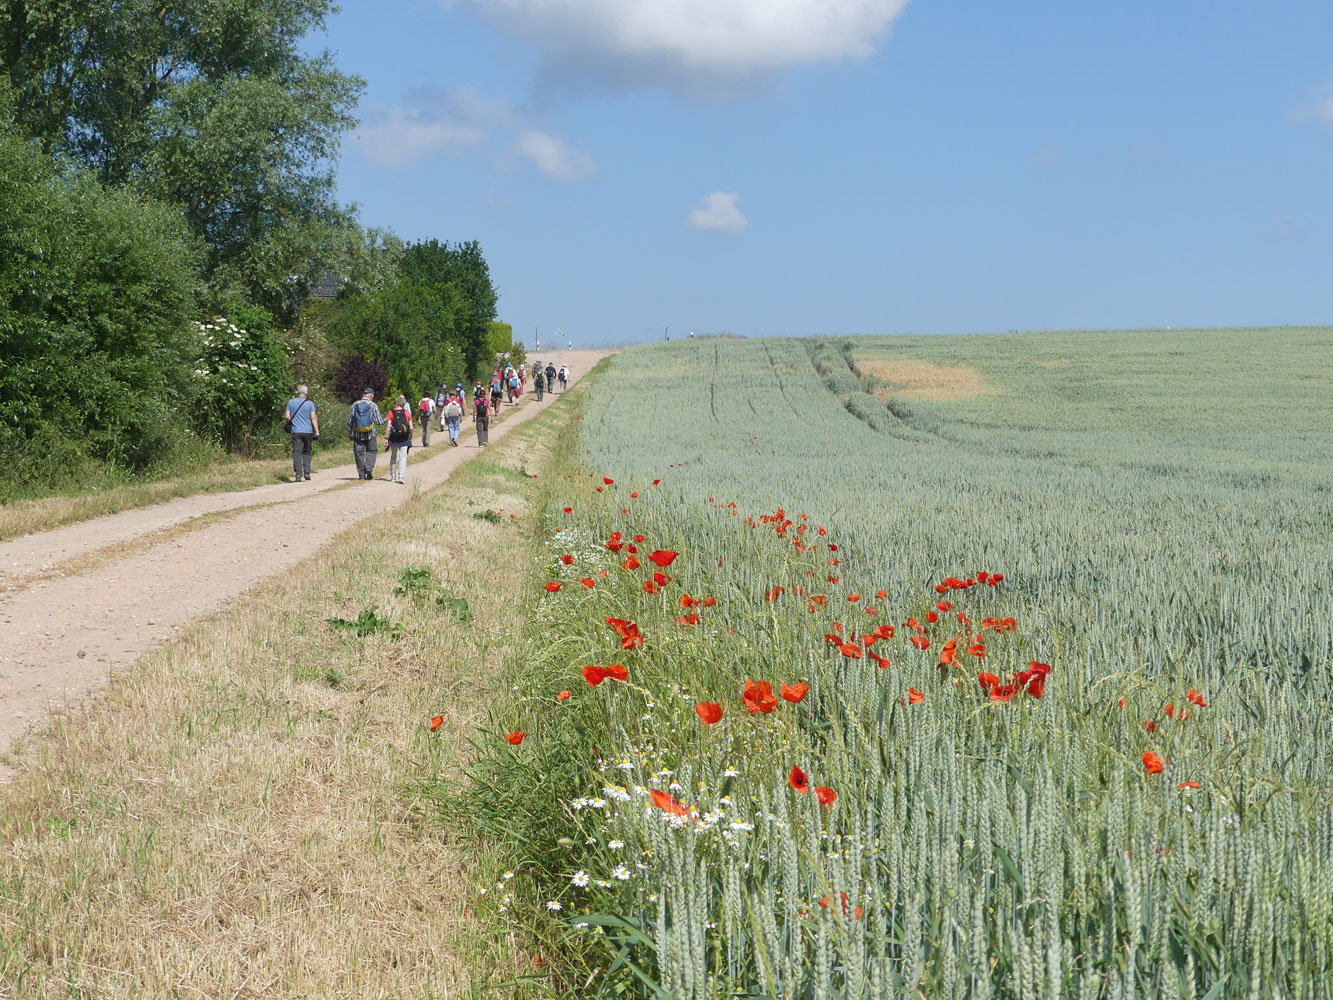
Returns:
(453, 414)
(425, 408)
(462, 399)
(515, 387)
(362, 420)
(497, 394)
(441, 397)
(305, 429)
(477, 394)
(481, 416)
(539, 380)
(399, 439)
(564, 378)
(550, 376)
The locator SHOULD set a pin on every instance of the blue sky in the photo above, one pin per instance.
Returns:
(792, 167)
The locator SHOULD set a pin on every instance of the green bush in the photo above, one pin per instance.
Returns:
(97, 288)
(242, 378)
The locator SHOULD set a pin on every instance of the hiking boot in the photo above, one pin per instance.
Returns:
(307, 477)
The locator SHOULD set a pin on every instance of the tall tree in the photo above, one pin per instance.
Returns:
(463, 267)
(208, 104)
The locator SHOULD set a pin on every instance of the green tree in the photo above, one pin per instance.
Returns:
(405, 329)
(211, 105)
(97, 289)
(462, 267)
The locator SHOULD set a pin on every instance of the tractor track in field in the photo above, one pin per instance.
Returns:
(87, 600)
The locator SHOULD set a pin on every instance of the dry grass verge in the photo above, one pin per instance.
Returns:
(232, 818)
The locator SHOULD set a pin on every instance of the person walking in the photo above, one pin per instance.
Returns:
(538, 380)
(424, 409)
(564, 378)
(453, 414)
(550, 376)
(497, 394)
(477, 393)
(481, 417)
(441, 397)
(303, 421)
(399, 439)
(362, 420)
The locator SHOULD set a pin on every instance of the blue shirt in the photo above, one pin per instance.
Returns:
(301, 423)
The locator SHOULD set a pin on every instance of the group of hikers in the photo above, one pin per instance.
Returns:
(446, 409)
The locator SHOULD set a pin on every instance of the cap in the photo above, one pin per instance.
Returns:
(367, 389)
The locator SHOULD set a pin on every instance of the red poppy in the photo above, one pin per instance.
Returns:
(949, 652)
(883, 661)
(687, 602)
(759, 697)
(667, 804)
(553, 586)
(649, 587)
(915, 697)
(634, 495)
(932, 617)
(826, 796)
(1120, 703)
(616, 672)
(594, 675)
(607, 480)
(1003, 692)
(569, 510)
(516, 737)
(884, 631)
(656, 481)
(628, 632)
(630, 564)
(709, 711)
(944, 606)
(920, 642)
(987, 681)
(1194, 698)
(663, 557)
(977, 649)
(853, 597)
(774, 593)
(881, 594)
(638, 538)
(798, 780)
(564, 696)
(1151, 726)
(851, 650)
(1152, 763)
(588, 582)
(795, 692)
(567, 559)
(661, 579)
(691, 619)
(436, 722)
(1187, 784)
(710, 602)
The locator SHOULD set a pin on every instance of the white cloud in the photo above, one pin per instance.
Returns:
(692, 43)
(435, 122)
(398, 137)
(718, 212)
(554, 157)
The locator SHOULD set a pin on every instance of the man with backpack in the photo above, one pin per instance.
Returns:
(497, 394)
(481, 416)
(303, 422)
(539, 380)
(453, 414)
(441, 397)
(425, 408)
(564, 378)
(362, 420)
(550, 376)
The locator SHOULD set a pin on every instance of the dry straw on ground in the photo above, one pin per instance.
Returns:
(926, 380)
(231, 819)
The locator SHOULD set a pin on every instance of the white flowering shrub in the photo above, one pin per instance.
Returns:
(242, 378)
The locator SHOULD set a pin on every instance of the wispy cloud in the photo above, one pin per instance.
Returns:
(554, 157)
(433, 122)
(719, 213)
(693, 44)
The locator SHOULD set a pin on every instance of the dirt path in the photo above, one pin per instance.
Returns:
(62, 637)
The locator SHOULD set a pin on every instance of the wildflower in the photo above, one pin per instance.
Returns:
(920, 642)
(564, 696)
(569, 510)
(851, 650)
(594, 675)
(588, 582)
(798, 780)
(620, 872)
(794, 692)
(667, 804)
(567, 559)
(662, 558)
(436, 722)
(709, 711)
(553, 905)
(758, 697)
(853, 597)
(731, 772)
(553, 586)
(1152, 763)
(628, 632)
(1185, 786)
(687, 602)
(516, 737)
(607, 481)
(914, 697)
(631, 563)
(616, 845)
(616, 672)
(826, 796)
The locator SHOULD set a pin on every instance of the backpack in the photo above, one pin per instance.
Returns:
(483, 408)
(440, 397)
(453, 409)
(513, 382)
(399, 423)
(363, 417)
